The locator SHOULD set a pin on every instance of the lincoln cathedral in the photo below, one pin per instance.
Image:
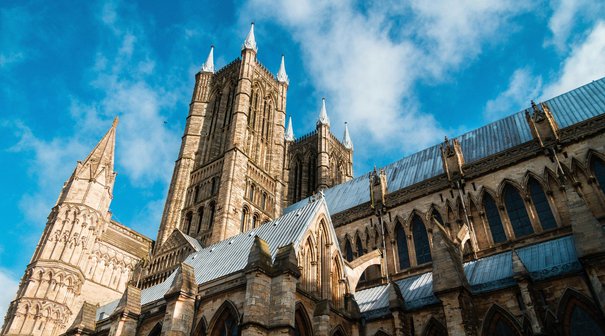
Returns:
(498, 231)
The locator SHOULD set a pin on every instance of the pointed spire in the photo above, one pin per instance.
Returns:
(208, 66)
(102, 156)
(323, 115)
(282, 76)
(346, 139)
(289, 132)
(250, 42)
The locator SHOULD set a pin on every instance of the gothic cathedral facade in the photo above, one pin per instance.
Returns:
(496, 232)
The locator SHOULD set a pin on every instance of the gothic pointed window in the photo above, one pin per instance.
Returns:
(226, 325)
(200, 218)
(498, 323)
(493, 219)
(543, 210)
(211, 219)
(436, 216)
(517, 213)
(302, 324)
(402, 247)
(254, 222)
(582, 323)
(598, 168)
(359, 247)
(348, 250)
(188, 219)
(244, 219)
(579, 316)
(421, 241)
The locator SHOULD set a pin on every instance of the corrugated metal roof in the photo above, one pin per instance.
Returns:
(569, 108)
(543, 260)
(231, 255)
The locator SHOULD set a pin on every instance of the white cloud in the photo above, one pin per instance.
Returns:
(585, 63)
(367, 64)
(9, 287)
(523, 87)
(569, 13)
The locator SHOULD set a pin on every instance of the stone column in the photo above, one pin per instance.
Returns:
(257, 306)
(283, 291)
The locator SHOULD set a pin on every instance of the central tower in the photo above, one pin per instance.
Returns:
(234, 137)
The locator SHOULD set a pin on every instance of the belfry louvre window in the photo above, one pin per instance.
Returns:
(402, 247)
(517, 213)
(543, 210)
(421, 241)
(493, 219)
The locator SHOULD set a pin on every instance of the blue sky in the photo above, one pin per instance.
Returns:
(403, 74)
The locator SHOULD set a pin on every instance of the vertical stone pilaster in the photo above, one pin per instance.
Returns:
(125, 317)
(180, 303)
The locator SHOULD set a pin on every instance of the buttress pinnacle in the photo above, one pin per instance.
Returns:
(282, 76)
(250, 42)
(289, 136)
(208, 66)
(323, 115)
(346, 139)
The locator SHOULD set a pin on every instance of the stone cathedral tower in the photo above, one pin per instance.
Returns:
(82, 255)
(234, 138)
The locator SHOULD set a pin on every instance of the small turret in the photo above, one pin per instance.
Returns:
(289, 136)
(208, 66)
(346, 139)
(323, 114)
(250, 42)
(282, 76)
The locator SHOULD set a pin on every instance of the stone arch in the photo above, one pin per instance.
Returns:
(579, 170)
(434, 213)
(578, 315)
(348, 249)
(226, 320)
(498, 321)
(338, 331)
(201, 328)
(156, 330)
(492, 216)
(401, 244)
(302, 323)
(434, 328)
(516, 208)
(420, 239)
(542, 205)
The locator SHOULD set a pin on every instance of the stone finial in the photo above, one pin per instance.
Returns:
(286, 261)
(323, 114)
(259, 256)
(183, 282)
(346, 138)
(289, 136)
(448, 273)
(542, 124)
(250, 42)
(208, 66)
(519, 269)
(378, 189)
(282, 76)
(130, 302)
(85, 322)
(453, 160)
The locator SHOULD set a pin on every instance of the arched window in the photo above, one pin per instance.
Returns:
(598, 168)
(263, 201)
(251, 193)
(402, 247)
(348, 250)
(547, 220)
(579, 316)
(244, 219)
(253, 106)
(359, 247)
(499, 323)
(434, 328)
(214, 185)
(311, 166)
(188, 219)
(421, 241)
(254, 221)
(517, 213)
(302, 324)
(200, 218)
(196, 194)
(226, 324)
(493, 219)
(212, 210)
(156, 331)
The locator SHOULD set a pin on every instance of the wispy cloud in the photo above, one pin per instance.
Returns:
(523, 87)
(567, 14)
(14, 23)
(8, 283)
(586, 62)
